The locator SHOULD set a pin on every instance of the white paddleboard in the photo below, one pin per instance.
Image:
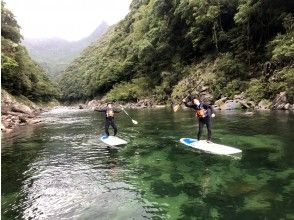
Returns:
(210, 147)
(113, 140)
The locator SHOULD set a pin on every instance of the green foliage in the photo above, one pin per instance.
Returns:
(282, 46)
(228, 41)
(230, 67)
(129, 91)
(9, 26)
(282, 80)
(234, 87)
(20, 74)
(256, 90)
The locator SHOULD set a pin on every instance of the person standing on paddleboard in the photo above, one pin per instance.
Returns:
(109, 118)
(204, 113)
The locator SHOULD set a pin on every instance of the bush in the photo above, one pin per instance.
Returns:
(230, 67)
(130, 91)
(282, 80)
(234, 87)
(256, 90)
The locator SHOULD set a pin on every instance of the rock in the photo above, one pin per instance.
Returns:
(280, 101)
(34, 121)
(249, 113)
(4, 109)
(94, 103)
(264, 104)
(231, 105)
(21, 108)
(220, 102)
(244, 104)
(240, 96)
(251, 104)
(287, 106)
(81, 107)
(22, 119)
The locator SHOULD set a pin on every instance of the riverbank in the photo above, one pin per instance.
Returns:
(239, 101)
(20, 111)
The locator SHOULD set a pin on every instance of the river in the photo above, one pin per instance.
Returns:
(60, 169)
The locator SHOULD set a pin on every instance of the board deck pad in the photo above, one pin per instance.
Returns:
(210, 147)
(113, 140)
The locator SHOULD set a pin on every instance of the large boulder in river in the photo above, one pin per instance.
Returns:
(280, 101)
(92, 104)
(220, 102)
(231, 105)
(22, 109)
(287, 106)
(264, 104)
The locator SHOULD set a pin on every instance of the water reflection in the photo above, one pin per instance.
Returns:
(61, 170)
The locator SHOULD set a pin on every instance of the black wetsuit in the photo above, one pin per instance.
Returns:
(203, 121)
(109, 120)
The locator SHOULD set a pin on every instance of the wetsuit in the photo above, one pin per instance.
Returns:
(109, 119)
(206, 120)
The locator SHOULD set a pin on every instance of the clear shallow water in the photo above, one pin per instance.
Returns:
(60, 170)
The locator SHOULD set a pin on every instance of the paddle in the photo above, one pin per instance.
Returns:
(176, 107)
(134, 121)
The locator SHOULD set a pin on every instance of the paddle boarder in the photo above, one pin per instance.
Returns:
(204, 113)
(109, 117)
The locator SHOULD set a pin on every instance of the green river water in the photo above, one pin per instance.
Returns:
(60, 169)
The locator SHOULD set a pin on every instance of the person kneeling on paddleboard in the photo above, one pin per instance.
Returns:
(109, 116)
(203, 115)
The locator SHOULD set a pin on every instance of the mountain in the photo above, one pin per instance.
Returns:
(20, 75)
(55, 54)
(164, 48)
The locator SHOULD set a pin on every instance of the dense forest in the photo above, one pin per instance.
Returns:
(20, 75)
(164, 47)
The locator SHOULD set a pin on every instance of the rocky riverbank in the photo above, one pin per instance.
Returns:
(16, 112)
(144, 103)
(238, 102)
(241, 102)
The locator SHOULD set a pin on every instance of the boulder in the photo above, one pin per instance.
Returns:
(34, 121)
(22, 109)
(251, 104)
(22, 119)
(81, 106)
(2, 127)
(240, 96)
(280, 101)
(4, 109)
(220, 102)
(92, 104)
(287, 106)
(244, 104)
(231, 105)
(264, 104)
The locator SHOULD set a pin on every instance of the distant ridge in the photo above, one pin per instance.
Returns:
(54, 54)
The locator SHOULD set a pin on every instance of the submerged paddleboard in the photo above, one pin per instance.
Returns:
(113, 140)
(210, 147)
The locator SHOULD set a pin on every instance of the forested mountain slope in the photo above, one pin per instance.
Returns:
(164, 47)
(20, 75)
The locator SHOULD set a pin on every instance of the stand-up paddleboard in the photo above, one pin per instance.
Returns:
(113, 140)
(210, 147)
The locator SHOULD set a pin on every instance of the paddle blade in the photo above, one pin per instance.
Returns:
(134, 122)
(176, 108)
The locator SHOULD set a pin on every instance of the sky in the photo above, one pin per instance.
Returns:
(67, 19)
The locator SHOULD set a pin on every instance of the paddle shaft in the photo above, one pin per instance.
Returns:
(134, 121)
(187, 95)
